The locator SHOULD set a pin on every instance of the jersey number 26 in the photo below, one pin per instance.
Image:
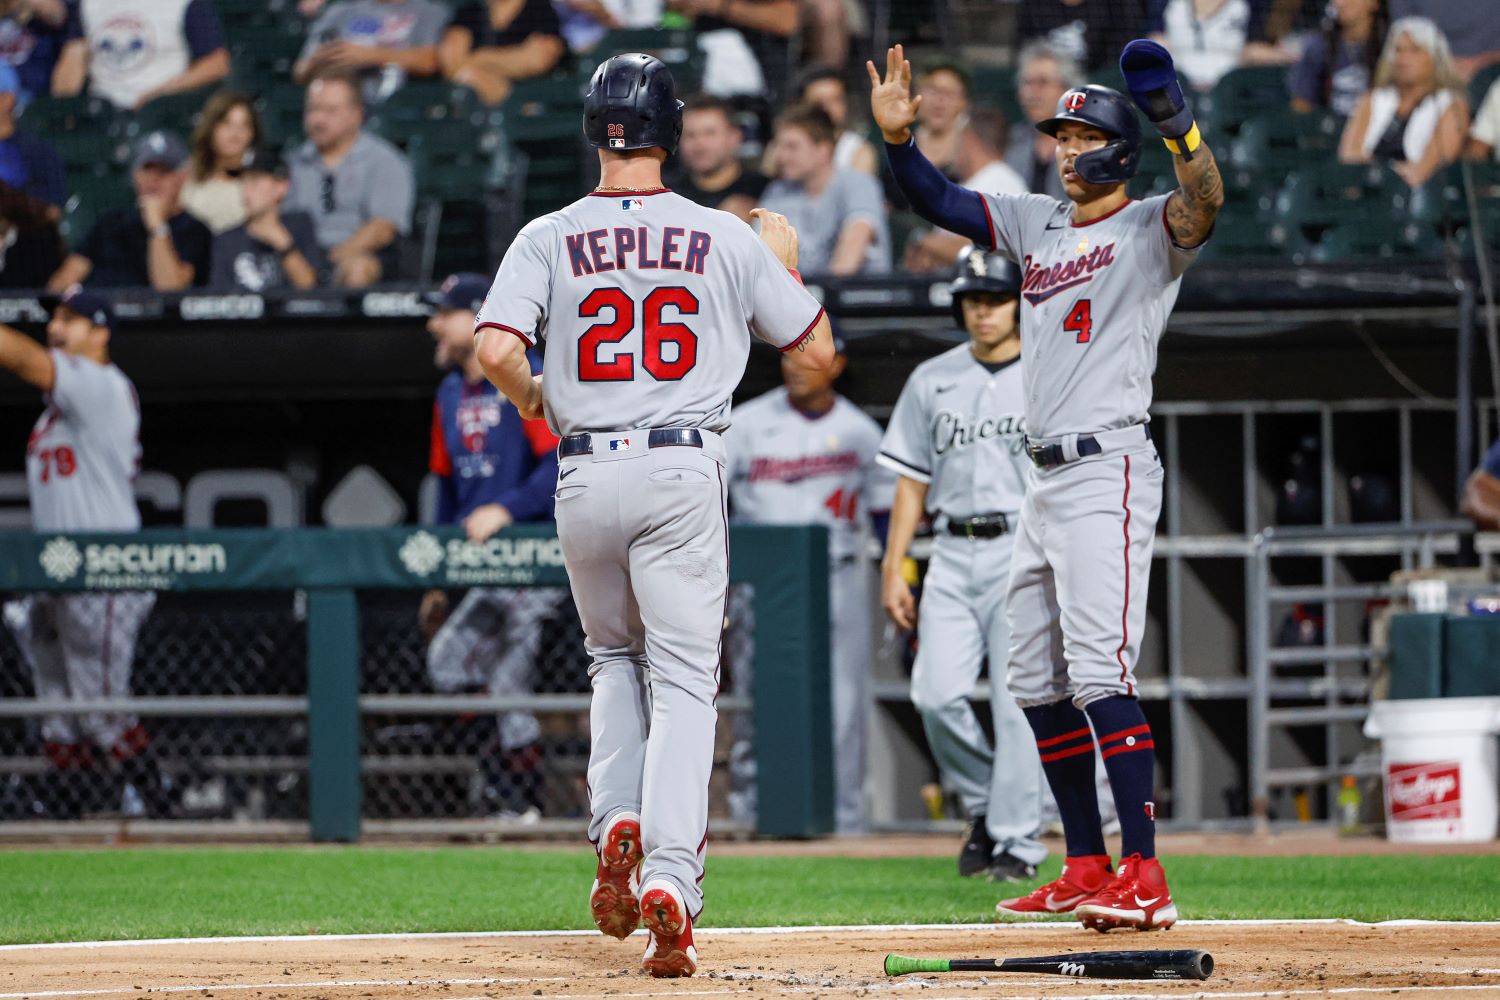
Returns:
(659, 332)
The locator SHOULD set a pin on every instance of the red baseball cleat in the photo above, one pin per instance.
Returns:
(612, 900)
(1081, 878)
(670, 952)
(1138, 897)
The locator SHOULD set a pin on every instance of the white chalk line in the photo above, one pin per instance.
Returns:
(1041, 925)
(324, 984)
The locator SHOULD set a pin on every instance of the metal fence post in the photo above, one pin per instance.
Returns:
(333, 714)
(1260, 683)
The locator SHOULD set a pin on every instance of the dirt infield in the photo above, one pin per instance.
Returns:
(1253, 959)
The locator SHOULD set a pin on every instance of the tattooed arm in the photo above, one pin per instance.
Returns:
(1195, 204)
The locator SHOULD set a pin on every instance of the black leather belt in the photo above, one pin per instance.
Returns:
(1045, 456)
(983, 526)
(662, 437)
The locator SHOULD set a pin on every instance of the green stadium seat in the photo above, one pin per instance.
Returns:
(995, 87)
(176, 112)
(1282, 141)
(1320, 197)
(1242, 94)
(1374, 237)
(54, 117)
(280, 110)
(677, 47)
(93, 190)
(261, 55)
(1240, 234)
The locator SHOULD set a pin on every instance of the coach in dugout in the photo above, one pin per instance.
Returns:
(81, 462)
(493, 469)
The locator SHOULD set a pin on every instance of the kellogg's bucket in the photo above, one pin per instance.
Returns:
(1439, 755)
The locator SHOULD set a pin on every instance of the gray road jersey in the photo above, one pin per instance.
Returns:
(646, 303)
(1094, 302)
(786, 468)
(960, 430)
(84, 451)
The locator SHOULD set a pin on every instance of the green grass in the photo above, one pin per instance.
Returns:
(148, 893)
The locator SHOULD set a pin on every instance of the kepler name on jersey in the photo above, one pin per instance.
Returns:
(601, 250)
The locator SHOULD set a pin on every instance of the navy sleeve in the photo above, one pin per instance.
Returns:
(447, 502)
(1156, 17)
(531, 499)
(194, 244)
(936, 198)
(47, 174)
(202, 29)
(1303, 76)
(72, 27)
(1491, 463)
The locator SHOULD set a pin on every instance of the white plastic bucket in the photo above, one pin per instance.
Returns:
(1442, 778)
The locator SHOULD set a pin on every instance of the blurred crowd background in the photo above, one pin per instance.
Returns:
(304, 143)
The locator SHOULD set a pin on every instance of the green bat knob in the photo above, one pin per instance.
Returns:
(900, 965)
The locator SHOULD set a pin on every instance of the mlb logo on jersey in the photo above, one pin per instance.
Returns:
(633, 204)
(619, 444)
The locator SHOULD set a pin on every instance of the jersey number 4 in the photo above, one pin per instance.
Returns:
(659, 332)
(1080, 322)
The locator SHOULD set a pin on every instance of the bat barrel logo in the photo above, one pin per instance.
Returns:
(1076, 969)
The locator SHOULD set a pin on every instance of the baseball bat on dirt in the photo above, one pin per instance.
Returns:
(1084, 965)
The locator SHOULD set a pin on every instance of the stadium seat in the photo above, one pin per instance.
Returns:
(1240, 234)
(1284, 140)
(1479, 87)
(1243, 94)
(1316, 198)
(541, 119)
(280, 110)
(1374, 237)
(261, 55)
(995, 87)
(53, 117)
(176, 112)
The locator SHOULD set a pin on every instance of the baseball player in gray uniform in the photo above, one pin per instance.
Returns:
(646, 303)
(1100, 274)
(957, 441)
(81, 462)
(803, 454)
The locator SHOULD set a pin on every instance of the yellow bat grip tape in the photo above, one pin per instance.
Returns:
(1192, 141)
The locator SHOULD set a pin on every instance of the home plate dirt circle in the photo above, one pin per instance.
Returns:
(1252, 959)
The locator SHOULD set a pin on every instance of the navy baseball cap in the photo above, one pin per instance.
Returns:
(465, 290)
(93, 305)
(160, 148)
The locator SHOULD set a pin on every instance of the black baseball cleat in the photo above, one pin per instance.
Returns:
(977, 851)
(1006, 867)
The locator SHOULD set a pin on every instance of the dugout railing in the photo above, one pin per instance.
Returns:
(294, 704)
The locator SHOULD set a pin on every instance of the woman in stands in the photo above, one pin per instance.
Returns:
(1416, 115)
(227, 129)
(489, 43)
(1338, 60)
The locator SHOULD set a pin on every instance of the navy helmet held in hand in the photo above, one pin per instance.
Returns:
(632, 104)
(1108, 111)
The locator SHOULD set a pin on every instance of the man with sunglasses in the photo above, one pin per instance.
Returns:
(357, 187)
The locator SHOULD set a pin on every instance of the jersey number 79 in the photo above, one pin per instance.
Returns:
(659, 332)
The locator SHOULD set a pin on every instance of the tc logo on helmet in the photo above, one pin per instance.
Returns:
(1075, 100)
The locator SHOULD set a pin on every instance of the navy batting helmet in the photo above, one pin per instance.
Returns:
(632, 104)
(978, 271)
(1108, 111)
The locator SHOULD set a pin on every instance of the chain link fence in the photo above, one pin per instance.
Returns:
(192, 706)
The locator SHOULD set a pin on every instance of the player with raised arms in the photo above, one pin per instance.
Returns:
(1100, 274)
(646, 303)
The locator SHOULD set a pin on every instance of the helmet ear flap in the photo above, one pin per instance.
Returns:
(1115, 163)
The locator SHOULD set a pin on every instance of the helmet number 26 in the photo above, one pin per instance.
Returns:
(659, 333)
(1080, 322)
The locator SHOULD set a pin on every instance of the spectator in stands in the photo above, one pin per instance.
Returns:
(272, 248)
(1481, 499)
(709, 152)
(227, 131)
(385, 42)
(1484, 135)
(357, 187)
(1338, 60)
(944, 90)
(1090, 32)
(826, 87)
(747, 43)
(586, 22)
(154, 244)
(1472, 28)
(33, 34)
(492, 42)
(28, 164)
(1416, 116)
(825, 33)
(839, 214)
(32, 193)
(493, 469)
(134, 51)
(1043, 76)
(983, 168)
(1207, 38)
